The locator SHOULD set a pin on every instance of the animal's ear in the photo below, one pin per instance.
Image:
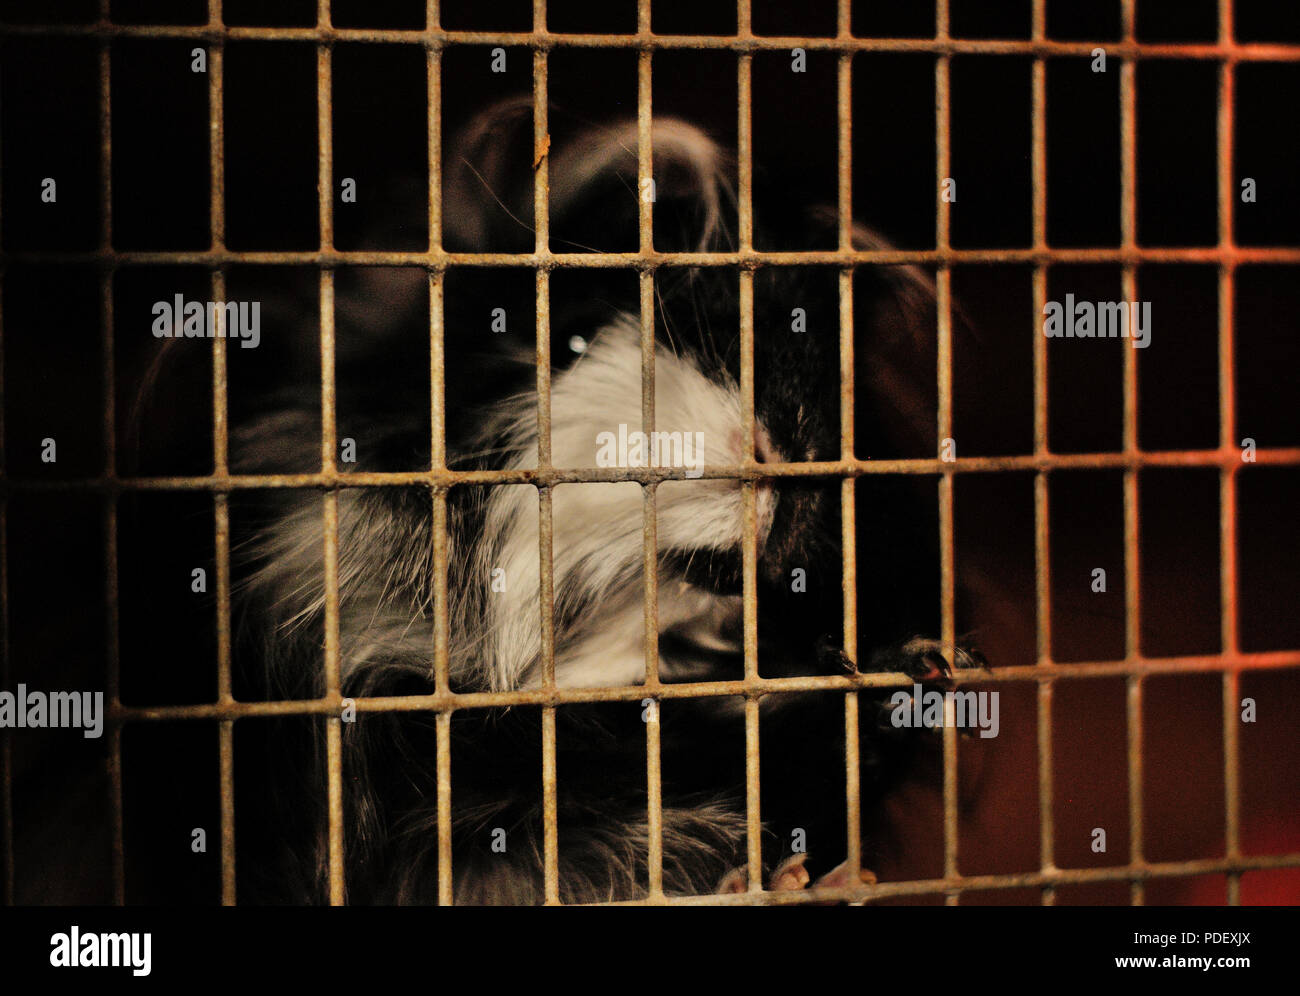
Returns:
(596, 193)
(487, 202)
(595, 197)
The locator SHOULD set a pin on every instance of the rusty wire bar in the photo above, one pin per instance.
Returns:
(980, 883)
(947, 541)
(1220, 458)
(329, 462)
(1132, 595)
(220, 460)
(221, 553)
(1280, 456)
(749, 492)
(225, 729)
(439, 479)
(751, 259)
(545, 493)
(112, 644)
(1042, 548)
(439, 38)
(1228, 640)
(1268, 661)
(438, 457)
(848, 486)
(650, 495)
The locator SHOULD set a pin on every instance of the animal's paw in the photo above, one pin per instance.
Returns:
(918, 657)
(923, 659)
(791, 875)
(842, 877)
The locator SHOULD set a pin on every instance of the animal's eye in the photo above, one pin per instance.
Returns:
(577, 344)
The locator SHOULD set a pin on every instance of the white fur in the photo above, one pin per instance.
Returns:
(385, 596)
(597, 528)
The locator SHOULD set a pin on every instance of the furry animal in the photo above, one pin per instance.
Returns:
(386, 566)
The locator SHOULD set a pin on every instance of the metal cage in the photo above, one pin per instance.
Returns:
(1226, 53)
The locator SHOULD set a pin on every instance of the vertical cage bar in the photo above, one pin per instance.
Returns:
(225, 728)
(546, 551)
(114, 697)
(650, 572)
(650, 512)
(216, 215)
(1042, 549)
(446, 893)
(654, 770)
(848, 507)
(433, 110)
(947, 591)
(1046, 792)
(541, 138)
(437, 368)
(333, 728)
(325, 132)
(438, 452)
(1137, 887)
(220, 455)
(1229, 639)
(325, 181)
(749, 589)
(217, 221)
(550, 829)
(216, 130)
(329, 443)
(1132, 599)
(749, 495)
(546, 598)
(441, 677)
(744, 134)
(108, 382)
(644, 158)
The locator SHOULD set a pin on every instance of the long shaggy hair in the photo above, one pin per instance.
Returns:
(386, 568)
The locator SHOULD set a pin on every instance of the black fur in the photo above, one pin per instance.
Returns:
(390, 778)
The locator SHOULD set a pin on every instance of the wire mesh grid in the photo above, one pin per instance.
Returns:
(645, 261)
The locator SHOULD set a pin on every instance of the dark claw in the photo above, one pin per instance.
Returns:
(971, 657)
(928, 667)
(923, 661)
(831, 657)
